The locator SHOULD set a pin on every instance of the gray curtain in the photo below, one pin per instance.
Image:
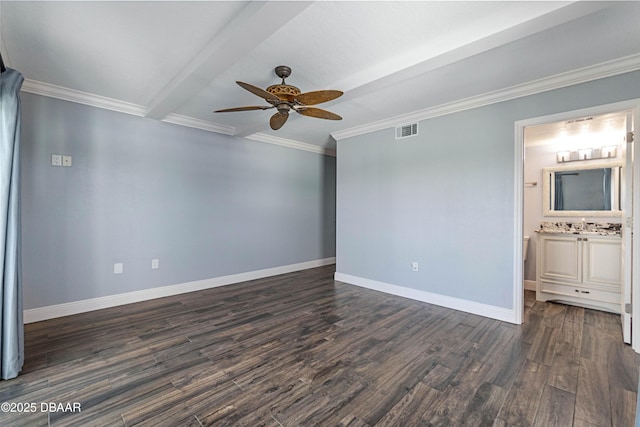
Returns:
(606, 184)
(11, 322)
(559, 200)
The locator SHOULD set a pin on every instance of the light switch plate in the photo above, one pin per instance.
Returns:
(56, 160)
(67, 161)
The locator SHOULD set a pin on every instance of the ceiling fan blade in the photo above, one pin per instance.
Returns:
(318, 97)
(257, 91)
(318, 113)
(230, 110)
(278, 120)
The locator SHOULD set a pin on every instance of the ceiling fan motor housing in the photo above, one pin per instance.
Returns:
(284, 91)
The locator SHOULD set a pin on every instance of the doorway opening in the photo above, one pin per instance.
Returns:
(582, 137)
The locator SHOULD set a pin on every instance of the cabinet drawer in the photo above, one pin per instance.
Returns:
(580, 292)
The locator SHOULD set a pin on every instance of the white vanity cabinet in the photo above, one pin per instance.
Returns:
(583, 270)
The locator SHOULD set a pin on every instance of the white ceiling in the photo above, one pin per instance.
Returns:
(178, 61)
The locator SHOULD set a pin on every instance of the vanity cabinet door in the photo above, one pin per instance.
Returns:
(585, 271)
(602, 262)
(560, 258)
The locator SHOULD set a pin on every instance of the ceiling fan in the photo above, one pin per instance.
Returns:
(285, 98)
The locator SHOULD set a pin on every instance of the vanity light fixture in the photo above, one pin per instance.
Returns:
(608, 152)
(587, 154)
(563, 156)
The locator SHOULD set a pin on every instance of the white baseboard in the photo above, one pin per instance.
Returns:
(491, 311)
(75, 307)
(530, 285)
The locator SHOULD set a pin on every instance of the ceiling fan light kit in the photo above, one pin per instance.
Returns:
(285, 98)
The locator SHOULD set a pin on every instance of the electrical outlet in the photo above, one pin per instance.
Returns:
(155, 263)
(118, 268)
(67, 161)
(415, 266)
(56, 160)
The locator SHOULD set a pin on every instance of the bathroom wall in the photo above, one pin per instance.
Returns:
(537, 158)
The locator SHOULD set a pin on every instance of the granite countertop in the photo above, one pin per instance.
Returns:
(588, 228)
(591, 233)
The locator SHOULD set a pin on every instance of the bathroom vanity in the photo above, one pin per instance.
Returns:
(580, 268)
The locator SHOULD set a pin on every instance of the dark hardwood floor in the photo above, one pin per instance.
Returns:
(302, 350)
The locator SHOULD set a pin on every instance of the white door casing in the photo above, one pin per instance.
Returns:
(627, 235)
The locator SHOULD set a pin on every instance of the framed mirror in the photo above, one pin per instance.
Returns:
(582, 190)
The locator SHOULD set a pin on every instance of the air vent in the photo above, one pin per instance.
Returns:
(406, 131)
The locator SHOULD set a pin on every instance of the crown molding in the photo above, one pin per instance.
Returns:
(570, 78)
(66, 94)
(181, 120)
(92, 100)
(583, 75)
(270, 139)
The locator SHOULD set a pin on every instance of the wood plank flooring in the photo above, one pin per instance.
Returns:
(302, 350)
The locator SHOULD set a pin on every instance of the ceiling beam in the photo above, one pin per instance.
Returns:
(253, 24)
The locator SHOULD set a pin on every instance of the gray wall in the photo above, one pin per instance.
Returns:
(445, 198)
(207, 205)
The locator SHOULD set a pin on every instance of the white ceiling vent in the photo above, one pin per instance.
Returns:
(406, 131)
